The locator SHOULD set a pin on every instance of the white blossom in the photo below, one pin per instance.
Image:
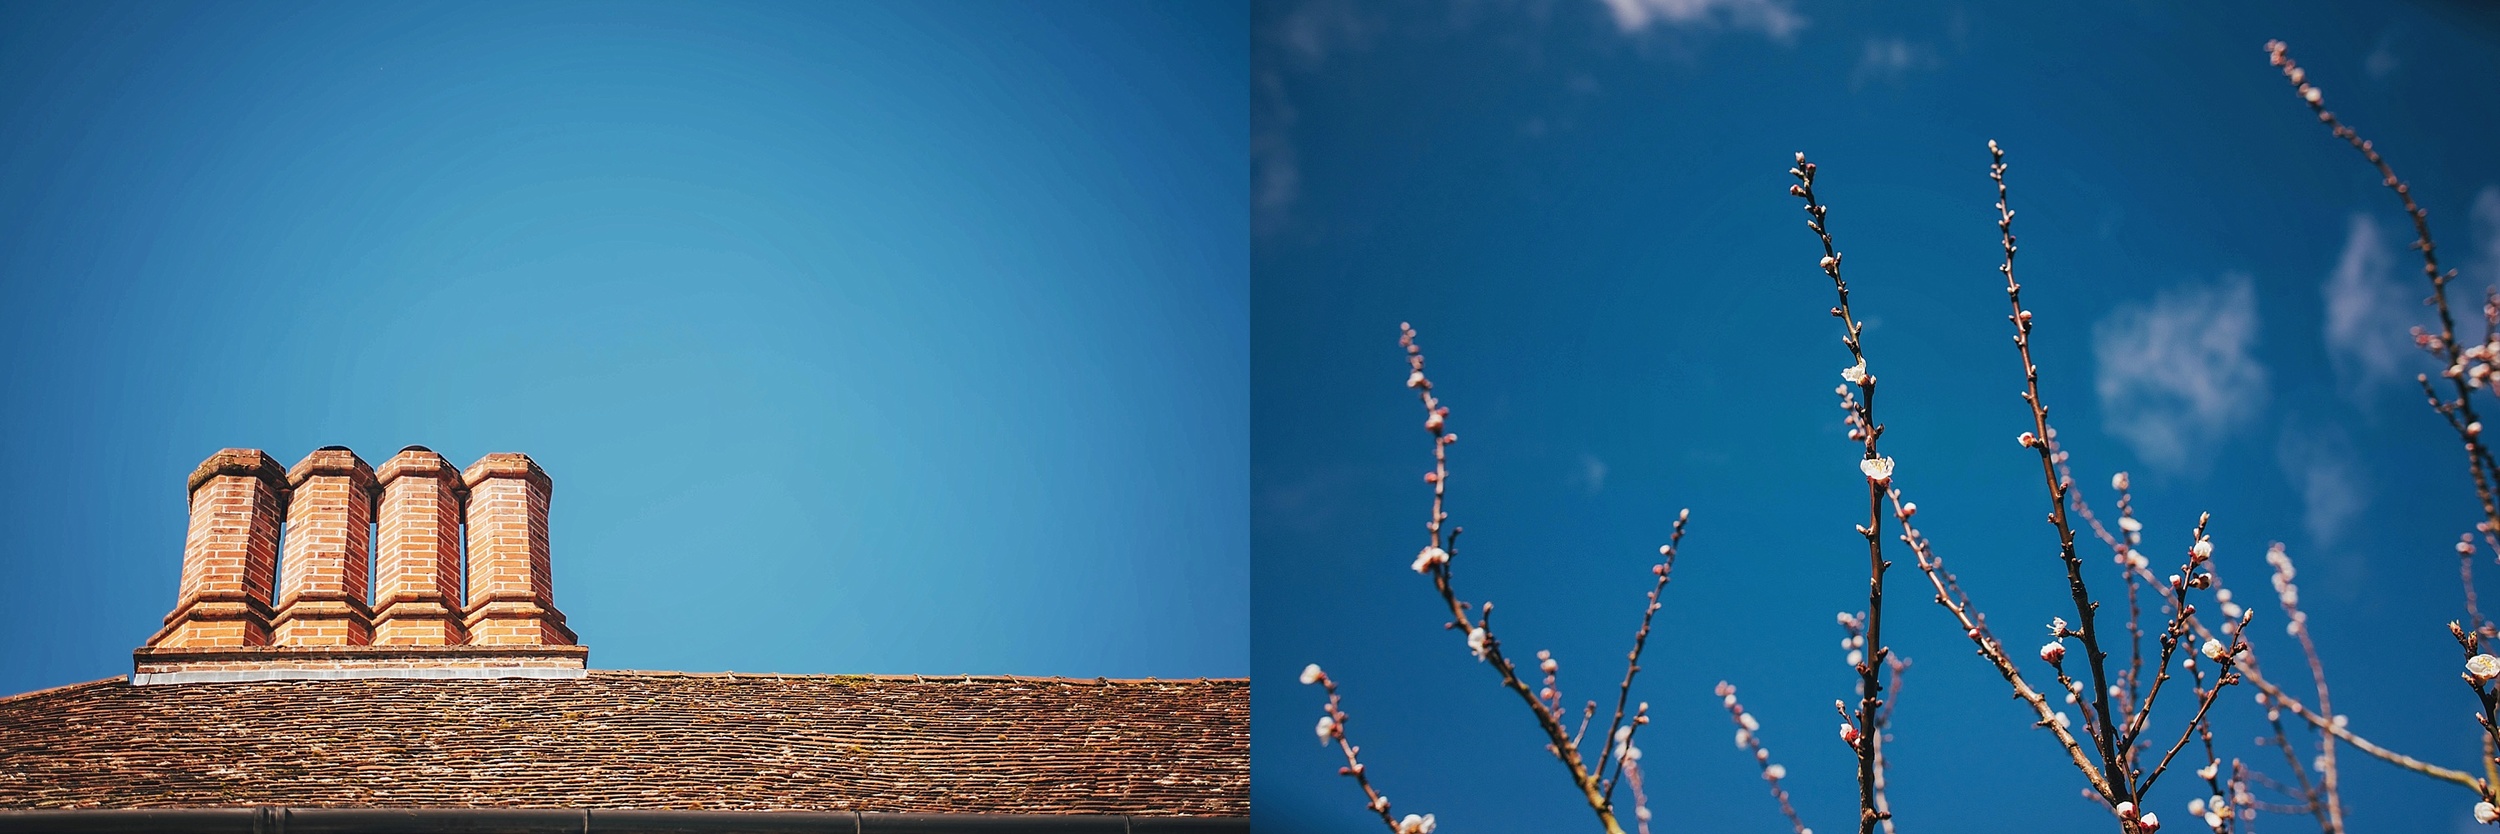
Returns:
(2129, 524)
(1854, 374)
(1414, 824)
(1327, 729)
(1475, 641)
(2118, 482)
(1878, 470)
(2203, 549)
(2485, 814)
(1430, 557)
(2054, 651)
(1775, 772)
(1750, 724)
(2482, 668)
(1310, 674)
(2213, 649)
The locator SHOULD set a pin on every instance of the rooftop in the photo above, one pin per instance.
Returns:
(639, 740)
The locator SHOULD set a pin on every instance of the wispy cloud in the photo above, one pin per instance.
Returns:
(1275, 168)
(1891, 59)
(2321, 463)
(1592, 474)
(2382, 60)
(1770, 17)
(2485, 220)
(2176, 374)
(2366, 313)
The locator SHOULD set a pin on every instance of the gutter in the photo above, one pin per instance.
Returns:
(280, 820)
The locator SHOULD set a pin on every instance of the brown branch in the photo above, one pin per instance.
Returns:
(2478, 458)
(1878, 470)
(1949, 594)
(1435, 561)
(1665, 570)
(1749, 740)
(2104, 733)
(1332, 728)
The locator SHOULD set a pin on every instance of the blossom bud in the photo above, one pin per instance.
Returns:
(1849, 734)
(1311, 674)
(2054, 652)
(1327, 728)
(2026, 439)
(2118, 482)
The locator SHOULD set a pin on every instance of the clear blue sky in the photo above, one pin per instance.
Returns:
(1582, 206)
(858, 338)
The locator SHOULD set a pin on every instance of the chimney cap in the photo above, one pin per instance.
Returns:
(246, 462)
(506, 465)
(421, 462)
(330, 460)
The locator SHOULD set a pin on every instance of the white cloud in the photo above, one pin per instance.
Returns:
(2321, 463)
(1891, 59)
(2485, 219)
(1770, 17)
(1592, 473)
(2177, 374)
(2366, 313)
(2381, 61)
(1275, 168)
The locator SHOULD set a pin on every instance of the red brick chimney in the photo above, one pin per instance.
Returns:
(223, 627)
(329, 521)
(417, 598)
(511, 592)
(229, 557)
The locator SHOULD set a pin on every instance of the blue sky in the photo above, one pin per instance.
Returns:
(1581, 205)
(891, 338)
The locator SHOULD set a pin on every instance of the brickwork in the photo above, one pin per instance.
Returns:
(328, 530)
(164, 666)
(511, 590)
(417, 598)
(229, 555)
(410, 521)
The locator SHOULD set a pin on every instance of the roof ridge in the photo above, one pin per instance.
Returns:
(4, 701)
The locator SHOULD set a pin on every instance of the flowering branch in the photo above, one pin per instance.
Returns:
(1332, 728)
(2104, 733)
(1640, 639)
(2460, 411)
(1435, 560)
(1748, 741)
(1861, 734)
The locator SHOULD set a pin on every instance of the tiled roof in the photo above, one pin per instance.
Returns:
(646, 740)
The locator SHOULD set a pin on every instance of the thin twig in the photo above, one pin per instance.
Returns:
(1435, 560)
(1878, 471)
(2104, 733)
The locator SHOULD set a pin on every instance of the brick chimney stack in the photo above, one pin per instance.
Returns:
(511, 591)
(229, 557)
(417, 597)
(410, 519)
(328, 535)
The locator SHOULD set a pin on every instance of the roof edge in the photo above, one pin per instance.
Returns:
(282, 820)
(64, 688)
